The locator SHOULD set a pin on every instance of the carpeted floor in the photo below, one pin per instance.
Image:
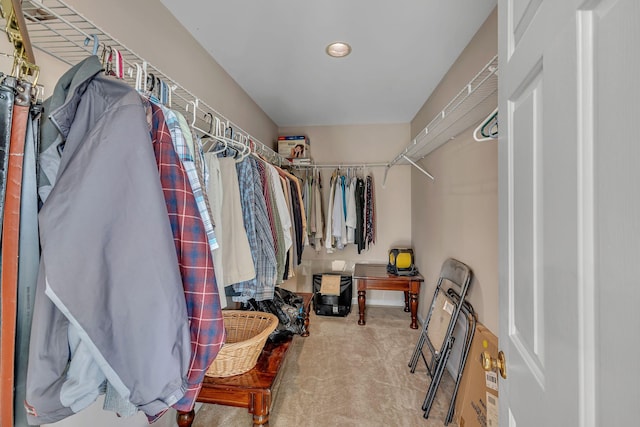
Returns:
(345, 375)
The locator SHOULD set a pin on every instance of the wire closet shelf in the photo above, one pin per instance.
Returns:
(473, 103)
(60, 31)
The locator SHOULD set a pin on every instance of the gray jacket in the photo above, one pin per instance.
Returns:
(109, 300)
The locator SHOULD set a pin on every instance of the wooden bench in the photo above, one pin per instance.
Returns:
(255, 389)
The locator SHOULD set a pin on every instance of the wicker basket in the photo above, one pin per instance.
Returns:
(247, 331)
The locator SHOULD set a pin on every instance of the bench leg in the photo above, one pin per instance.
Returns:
(185, 419)
(261, 420)
(259, 406)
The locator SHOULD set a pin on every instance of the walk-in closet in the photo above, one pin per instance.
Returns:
(451, 183)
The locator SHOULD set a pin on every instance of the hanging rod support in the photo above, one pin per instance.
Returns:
(418, 167)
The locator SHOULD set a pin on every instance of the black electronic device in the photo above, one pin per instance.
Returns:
(332, 304)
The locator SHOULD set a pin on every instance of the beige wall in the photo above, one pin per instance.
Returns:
(378, 143)
(457, 214)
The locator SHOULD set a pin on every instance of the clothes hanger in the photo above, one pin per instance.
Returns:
(138, 80)
(210, 123)
(215, 126)
(214, 132)
(488, 129)
(242, 141)
(106, 60)
(165, 93)
(150, 83)
(96, 43)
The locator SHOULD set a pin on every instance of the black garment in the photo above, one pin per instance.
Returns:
(368, 226)
(359, 232)
(297, 217)
(285, 275)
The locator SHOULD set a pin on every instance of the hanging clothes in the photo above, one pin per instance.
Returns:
(328, 244)
(269, 202)
(235, 250)
(288, 269)
(339, 227)
(370, 220)
(188, 163)
(256, 223)
(351, 213)
(351, 220)
(298, 211)
(310, 210)
(281, 205)
(194, 259)
(277, 230)
(297, 214)
(100, 221)
(29, 259)
(360, 212)
(213, 192)
(11, 262)
(319, 213)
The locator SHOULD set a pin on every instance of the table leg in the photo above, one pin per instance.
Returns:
(361, 304)
(414, 310)
(185, 419)
(406, 301)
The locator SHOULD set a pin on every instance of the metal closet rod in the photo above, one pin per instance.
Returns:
(340, 165)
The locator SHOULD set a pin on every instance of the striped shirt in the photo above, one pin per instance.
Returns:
(257, 225)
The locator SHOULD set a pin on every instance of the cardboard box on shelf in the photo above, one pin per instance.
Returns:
(294, 147)
(477, 401)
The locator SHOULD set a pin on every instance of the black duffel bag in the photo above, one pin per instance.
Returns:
(287, 307)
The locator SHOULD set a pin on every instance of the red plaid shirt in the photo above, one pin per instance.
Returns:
(194, 258)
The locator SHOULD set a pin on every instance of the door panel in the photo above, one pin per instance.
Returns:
(523, 12)
(616, 41)
(569, 212)
(538, 216)
(526, 324)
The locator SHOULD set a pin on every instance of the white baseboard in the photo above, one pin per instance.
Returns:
(379, 302)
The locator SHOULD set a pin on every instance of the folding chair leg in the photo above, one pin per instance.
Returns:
(416, 352)
(463, 361)
(435, 380)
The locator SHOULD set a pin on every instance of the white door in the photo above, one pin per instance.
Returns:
(569, 216)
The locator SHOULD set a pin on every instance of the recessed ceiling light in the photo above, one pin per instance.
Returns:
(338, 49)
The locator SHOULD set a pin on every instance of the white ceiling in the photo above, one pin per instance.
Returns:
(275, 50)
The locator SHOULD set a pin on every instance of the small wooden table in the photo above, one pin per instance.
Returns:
(375, 277)
(255, 389)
